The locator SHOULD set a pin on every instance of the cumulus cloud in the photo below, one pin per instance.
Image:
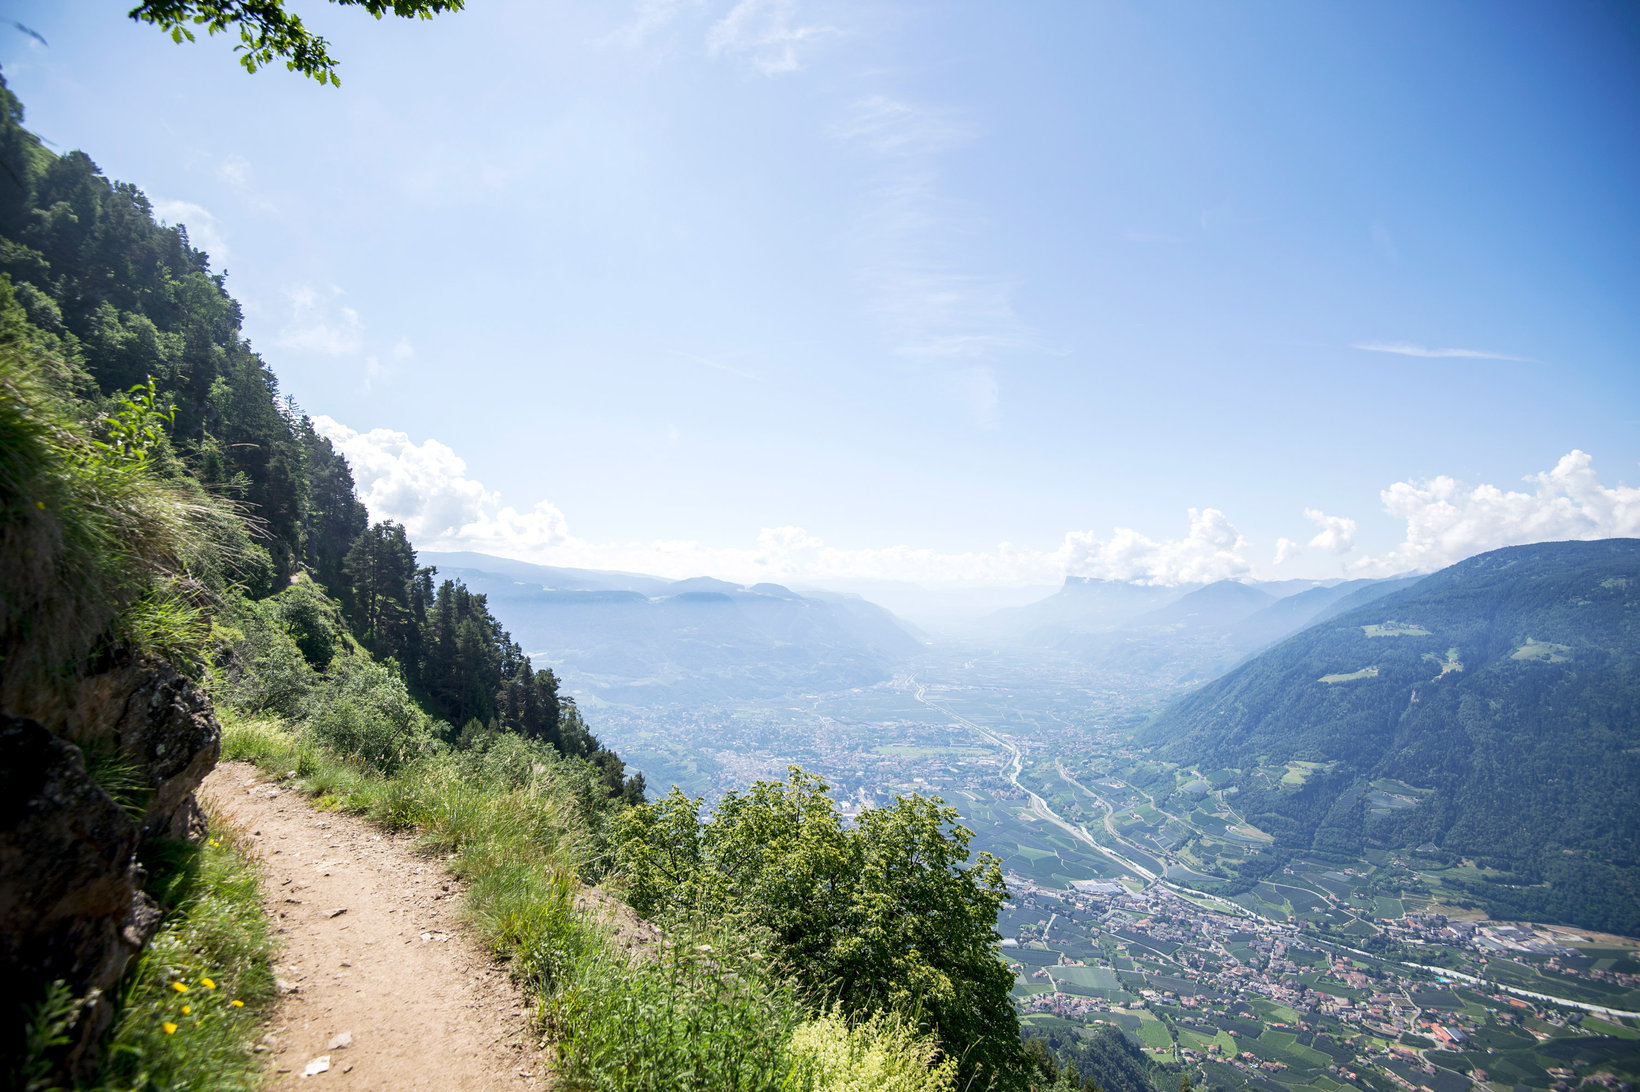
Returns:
(1337, 534)
(1212, 550)
(1407, 348)
(1447, 521)
(426, 487)
(204, 231)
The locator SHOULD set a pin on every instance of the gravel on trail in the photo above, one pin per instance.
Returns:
(381, 987)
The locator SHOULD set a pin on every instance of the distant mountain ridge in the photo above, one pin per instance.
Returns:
(1504, 690)
(633, 639)
(1177, 635)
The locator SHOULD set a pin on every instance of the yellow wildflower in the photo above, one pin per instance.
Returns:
(207, 983)
(180, 987)
(186, 1009)
(170, 1028)
(238, 1004)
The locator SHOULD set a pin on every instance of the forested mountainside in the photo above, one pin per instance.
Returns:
(117, 300)
(1490, 711)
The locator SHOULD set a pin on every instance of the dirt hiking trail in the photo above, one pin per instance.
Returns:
(375, 971)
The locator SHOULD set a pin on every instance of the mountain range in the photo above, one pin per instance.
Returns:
(1489, 712)
(631, 639)
(1174, 636)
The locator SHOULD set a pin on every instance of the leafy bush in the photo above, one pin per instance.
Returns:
(700, 1015)
(885, 1054)
(368, 714)
(886, 916)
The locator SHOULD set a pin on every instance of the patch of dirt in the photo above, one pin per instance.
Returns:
(376, 972)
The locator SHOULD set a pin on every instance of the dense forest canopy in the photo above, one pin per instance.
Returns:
(121, 302)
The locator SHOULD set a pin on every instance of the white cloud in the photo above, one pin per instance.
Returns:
(1337, 534)
(203, 229)
(930, 309)
(1447, 521)
(766, 33)
(1212, 550)
(425, 486)
(319, 324)
(1407, 348)
(720, 366)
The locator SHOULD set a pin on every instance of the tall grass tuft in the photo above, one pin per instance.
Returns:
(93, 544)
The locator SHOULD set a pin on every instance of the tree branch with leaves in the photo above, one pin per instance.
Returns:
(268, 32)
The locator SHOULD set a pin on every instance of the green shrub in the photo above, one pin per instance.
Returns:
(368, 714)
(707, 1012)
(885, 1054)
(886, 915)
(699, 1015)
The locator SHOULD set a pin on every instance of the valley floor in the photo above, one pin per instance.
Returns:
(376, 973)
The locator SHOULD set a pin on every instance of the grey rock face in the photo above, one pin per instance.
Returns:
(71, 905)
(71, 901)
(163, 724)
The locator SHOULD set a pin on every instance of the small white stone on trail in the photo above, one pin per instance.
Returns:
(442, 1030)
(317, 1066)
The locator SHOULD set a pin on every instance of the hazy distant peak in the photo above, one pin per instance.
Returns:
(701, 584)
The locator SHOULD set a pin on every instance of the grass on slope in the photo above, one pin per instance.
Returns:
(705, 1012)
(194, 999)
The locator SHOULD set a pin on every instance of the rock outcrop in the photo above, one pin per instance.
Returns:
(162, 724)
(71, 904)
(71, 901)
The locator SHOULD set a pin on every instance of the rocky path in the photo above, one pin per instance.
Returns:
(381, 988)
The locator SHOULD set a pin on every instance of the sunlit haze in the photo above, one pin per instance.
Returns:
(952, 294)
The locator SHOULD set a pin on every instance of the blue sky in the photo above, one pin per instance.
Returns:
(829, 292)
